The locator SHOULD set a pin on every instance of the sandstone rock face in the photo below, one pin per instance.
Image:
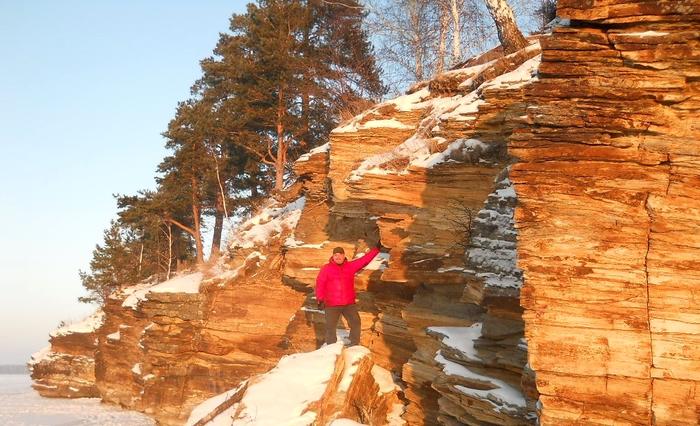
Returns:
(165, 348)
(441, 170)
(608, 216)
(66, 368)
(568, 169)
(162, 348)
(427, 175)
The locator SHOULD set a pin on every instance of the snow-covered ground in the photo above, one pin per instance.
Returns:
(21, 405)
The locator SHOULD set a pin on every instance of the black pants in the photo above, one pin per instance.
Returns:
(350, 314)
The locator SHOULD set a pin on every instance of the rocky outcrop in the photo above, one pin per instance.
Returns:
(66, 368)
(423, 194)
(566, 171)
(326, 386)
(608, 220)
(165, 348)
(413, 173)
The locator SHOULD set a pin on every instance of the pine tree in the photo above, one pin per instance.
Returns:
(114, 264)
(163, 245)
(285, 72)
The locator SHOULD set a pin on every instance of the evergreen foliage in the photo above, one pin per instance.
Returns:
(284, 74)
(274, 88)
(114, 263)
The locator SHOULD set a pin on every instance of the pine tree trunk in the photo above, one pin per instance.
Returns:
(305, 97)
(305, 101)
(510, 36)
(281, 159)
(140, 262)
(197, 231)
(170, 250)
(218, 228)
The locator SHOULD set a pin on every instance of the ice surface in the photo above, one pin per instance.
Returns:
(20, 405)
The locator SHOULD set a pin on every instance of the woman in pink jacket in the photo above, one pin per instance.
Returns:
(335, 292)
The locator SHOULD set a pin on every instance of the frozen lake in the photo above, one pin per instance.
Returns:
(22, 405)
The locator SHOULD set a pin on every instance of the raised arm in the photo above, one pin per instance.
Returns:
(360, 263)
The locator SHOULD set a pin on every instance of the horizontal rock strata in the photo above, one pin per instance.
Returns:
(608, 220)
(418, 173)
(66, 368)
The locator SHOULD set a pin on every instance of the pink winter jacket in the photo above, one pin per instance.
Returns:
(335, 284)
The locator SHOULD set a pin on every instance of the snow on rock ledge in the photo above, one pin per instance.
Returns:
(270, 222)
(89, 324)
(66, 367)
(325, 386)
(186, 283)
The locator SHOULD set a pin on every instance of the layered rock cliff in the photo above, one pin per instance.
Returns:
(66, 368)
(608, 215)
(568, 170)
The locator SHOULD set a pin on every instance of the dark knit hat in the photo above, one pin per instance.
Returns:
(338, 250)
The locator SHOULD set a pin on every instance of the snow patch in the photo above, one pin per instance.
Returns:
(502, 396)
(271, 221)
(354, 125)
(351, 358)
(646, 34)
(383, 378)
(288, 390)
(462, 148)
(451, 269)
(88, 324)
(460, 338)
(209, 405)
(306, 157)
(182, 284)
(394, 417)
(412, 101)
(186, 283)
(519, 76)
(40, 355)
(379, 263)
(292, 242)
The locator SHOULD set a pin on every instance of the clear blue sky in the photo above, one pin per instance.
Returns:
(86, 88)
